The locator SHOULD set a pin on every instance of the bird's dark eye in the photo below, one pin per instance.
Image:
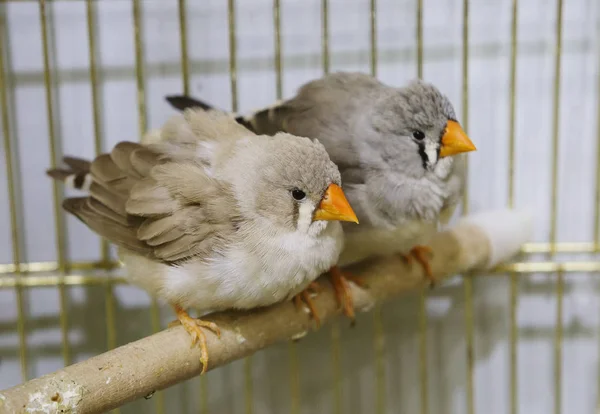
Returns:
(418, 135)
(298, 195)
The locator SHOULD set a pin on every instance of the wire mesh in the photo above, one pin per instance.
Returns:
(21, 274)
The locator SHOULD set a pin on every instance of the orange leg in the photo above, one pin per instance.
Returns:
(304, 296)
(341, 287)
(420, 254)
(193, 327)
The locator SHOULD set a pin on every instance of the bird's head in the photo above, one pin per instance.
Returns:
(419, 128)
(291, 182)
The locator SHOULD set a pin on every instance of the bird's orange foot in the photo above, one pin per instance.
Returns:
(194, 327)
(342, 290)
(304, 296)
(421, 255)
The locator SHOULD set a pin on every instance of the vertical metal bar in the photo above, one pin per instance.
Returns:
(378, 333)
(555, 127)
(95, 98)
(185, 68)
(111, 330)
(379, 345)
(203, 395)
(185, 80)
(139, 68)
(514, 287)
(597, 205)
(423, 295)
(294, 379)
(232, 54)
(336, 345)
(336, 352)
(248, 387)
(468, 280)
(278, 64)
(12, 200)
(325, 34)
(58, 217)
(420, 39)
(373, 15)
(142, 127)
(558, 341)
(554, 209)
(465, 91)
(295, 399)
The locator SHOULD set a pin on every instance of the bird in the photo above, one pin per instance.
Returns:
(213, 216)
(401, 152)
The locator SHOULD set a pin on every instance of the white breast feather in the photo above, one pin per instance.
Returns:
(283, 267)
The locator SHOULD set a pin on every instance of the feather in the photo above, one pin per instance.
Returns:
(78, 165)
(104, 169)
(143, 160)
(120, 235)
(152, 228)
(121, 156)
(183, 102)
(112, 200)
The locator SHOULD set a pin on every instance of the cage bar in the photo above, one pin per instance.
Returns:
(514, 281)
(467, 279)
(554, 208)
(142, 126)
(185, 65)
(325, 34)
(53, 266)
(12, 200)
(378, 334)
(423, 319)
(58, 217)
(111, 331)
(231, 24)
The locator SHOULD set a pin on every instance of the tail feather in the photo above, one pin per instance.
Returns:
(263, 121)
(78, 165)
(183, 102)
(77, 176)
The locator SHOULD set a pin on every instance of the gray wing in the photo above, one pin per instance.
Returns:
(325, 109)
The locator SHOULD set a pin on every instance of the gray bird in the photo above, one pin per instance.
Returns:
(400, 152)
(214, 217)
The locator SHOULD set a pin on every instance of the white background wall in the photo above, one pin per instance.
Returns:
(349, 28)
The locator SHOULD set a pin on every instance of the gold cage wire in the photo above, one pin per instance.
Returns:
(20, 275)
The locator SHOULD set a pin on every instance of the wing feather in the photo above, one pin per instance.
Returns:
(153, 201)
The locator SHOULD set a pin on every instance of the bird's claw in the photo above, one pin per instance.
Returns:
(194, 327)
(342, 290)
(304, 296)
(421, 255)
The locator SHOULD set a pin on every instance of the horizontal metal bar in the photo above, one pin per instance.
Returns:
(566, 247)
(55, 280)
(528, 248)
(36, 267)
(548, 267)
(77, 280)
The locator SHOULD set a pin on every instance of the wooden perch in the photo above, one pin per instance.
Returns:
(137, 369)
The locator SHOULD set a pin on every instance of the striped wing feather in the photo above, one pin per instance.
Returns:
(164, 209)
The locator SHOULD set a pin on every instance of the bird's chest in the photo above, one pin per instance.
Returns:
(279, 269)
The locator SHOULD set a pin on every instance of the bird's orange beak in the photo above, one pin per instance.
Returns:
(335, 206)
(455, 140)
